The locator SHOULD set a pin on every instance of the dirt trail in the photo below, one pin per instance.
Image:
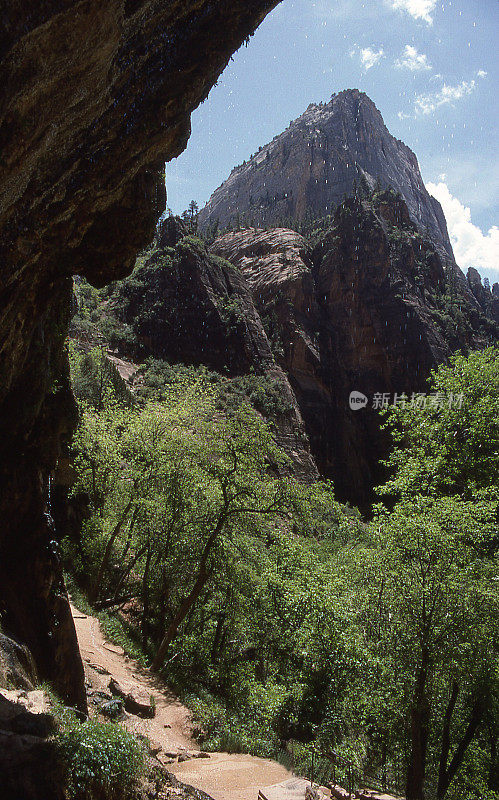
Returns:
(222, 776)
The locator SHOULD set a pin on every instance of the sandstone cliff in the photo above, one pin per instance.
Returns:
(307, 170)
(369, 310)
(95, 97)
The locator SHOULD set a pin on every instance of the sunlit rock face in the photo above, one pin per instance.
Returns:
(308, 169)
(277, 266)
(95, 97)
(361, 312)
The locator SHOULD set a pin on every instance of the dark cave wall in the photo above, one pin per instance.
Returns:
(96, 96)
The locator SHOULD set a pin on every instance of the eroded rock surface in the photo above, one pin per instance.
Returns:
(17, 668)
(368, 310)
(29, 766)
(277, 266)
(95, 97)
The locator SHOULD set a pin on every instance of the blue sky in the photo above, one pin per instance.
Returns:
(431, 68)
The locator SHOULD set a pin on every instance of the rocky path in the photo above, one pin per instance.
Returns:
(223, 776)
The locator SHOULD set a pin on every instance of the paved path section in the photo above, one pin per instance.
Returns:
(292, 789)
(232, 776)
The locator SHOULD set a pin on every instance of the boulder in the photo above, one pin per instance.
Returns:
(25, 713)
(135, 700)
(113, 709)
(29, 765)
(338, 793)
(314, 792)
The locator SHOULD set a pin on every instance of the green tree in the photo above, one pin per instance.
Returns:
(95, 378)
(453, 447)
(190, 216)
(438, 614)
(178, 486)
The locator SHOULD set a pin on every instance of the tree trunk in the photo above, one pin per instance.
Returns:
(493, 781)
(129, 534)
(420, 717)
(145, 598)
(218, 635)
(202, 578)
(444, 752)
(125, 573)
(94, 593)
(449, 774)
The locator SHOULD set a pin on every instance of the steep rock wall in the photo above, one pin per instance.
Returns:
(362, 312)
(95, 97)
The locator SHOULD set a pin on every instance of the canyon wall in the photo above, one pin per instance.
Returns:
(95, 97)
(323, 156)
(184, 305)
(369, 309)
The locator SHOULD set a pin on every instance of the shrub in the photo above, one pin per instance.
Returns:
(103, 760)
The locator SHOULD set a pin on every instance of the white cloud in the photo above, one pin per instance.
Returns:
(419, 9)
(473, 175)
(427, 103)
(472, 247)
(368, 56)
(413, 60)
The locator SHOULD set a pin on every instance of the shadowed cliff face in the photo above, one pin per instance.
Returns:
(95, 97)
(487, 298)
(187, 306)
(362, 312)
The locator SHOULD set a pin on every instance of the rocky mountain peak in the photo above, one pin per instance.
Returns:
(329, 152)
